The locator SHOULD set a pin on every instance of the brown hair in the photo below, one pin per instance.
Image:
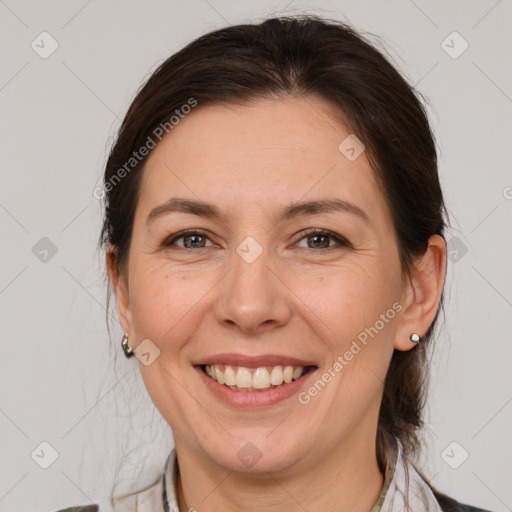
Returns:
(300, 56)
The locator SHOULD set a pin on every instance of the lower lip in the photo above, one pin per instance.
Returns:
(251, 399)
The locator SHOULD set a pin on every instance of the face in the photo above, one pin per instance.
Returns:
(321, 285)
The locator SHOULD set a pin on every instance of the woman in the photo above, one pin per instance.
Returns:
(274, 238)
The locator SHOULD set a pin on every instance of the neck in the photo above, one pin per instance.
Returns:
(346, 479)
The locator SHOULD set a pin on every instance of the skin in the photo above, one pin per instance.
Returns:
(294, 299)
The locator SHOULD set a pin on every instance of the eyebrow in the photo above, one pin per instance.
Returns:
(293, 210)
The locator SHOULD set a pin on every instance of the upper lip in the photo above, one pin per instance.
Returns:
(254, 361)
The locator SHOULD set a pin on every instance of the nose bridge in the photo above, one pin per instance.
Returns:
(252, 295)
(251, 263)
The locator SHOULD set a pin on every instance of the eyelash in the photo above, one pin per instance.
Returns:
(342, 242)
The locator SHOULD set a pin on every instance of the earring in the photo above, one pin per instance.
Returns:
(128, 352)
(416, 338)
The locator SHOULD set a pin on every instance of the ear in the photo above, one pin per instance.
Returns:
(421, 296)
(121, 290)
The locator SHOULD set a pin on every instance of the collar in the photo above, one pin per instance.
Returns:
(170, 483)
(403, 485)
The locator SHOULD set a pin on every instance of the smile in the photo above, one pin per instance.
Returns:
(240, 378)
(254, 382)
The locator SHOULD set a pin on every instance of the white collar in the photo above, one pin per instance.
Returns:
(404, 488)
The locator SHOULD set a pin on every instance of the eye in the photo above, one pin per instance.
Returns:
(192, 239)
(320, 239)
(196, 239)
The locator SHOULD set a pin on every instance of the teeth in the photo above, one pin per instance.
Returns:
(253, 379)
(276, 377)
(297, 373)
(261, 378)
(243, 377)
(219, 375)
(229, 376)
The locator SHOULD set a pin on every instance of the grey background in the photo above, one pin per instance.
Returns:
(61, 380)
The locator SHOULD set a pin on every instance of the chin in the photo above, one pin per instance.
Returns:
(257, 453)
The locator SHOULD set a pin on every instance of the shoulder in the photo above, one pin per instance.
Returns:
(410, 477)
(148, 499)
(448, 504)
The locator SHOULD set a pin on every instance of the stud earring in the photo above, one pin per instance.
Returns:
(416, 338)
(128, 352)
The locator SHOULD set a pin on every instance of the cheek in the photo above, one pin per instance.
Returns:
(358, 310)
(356, 306)
(165, 303)
(349, 298)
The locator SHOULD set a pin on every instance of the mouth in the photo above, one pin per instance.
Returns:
(248, 381)
(260, 379)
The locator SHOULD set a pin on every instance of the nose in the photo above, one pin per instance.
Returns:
(253, 299)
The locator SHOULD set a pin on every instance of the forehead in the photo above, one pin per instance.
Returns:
(259, 156)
